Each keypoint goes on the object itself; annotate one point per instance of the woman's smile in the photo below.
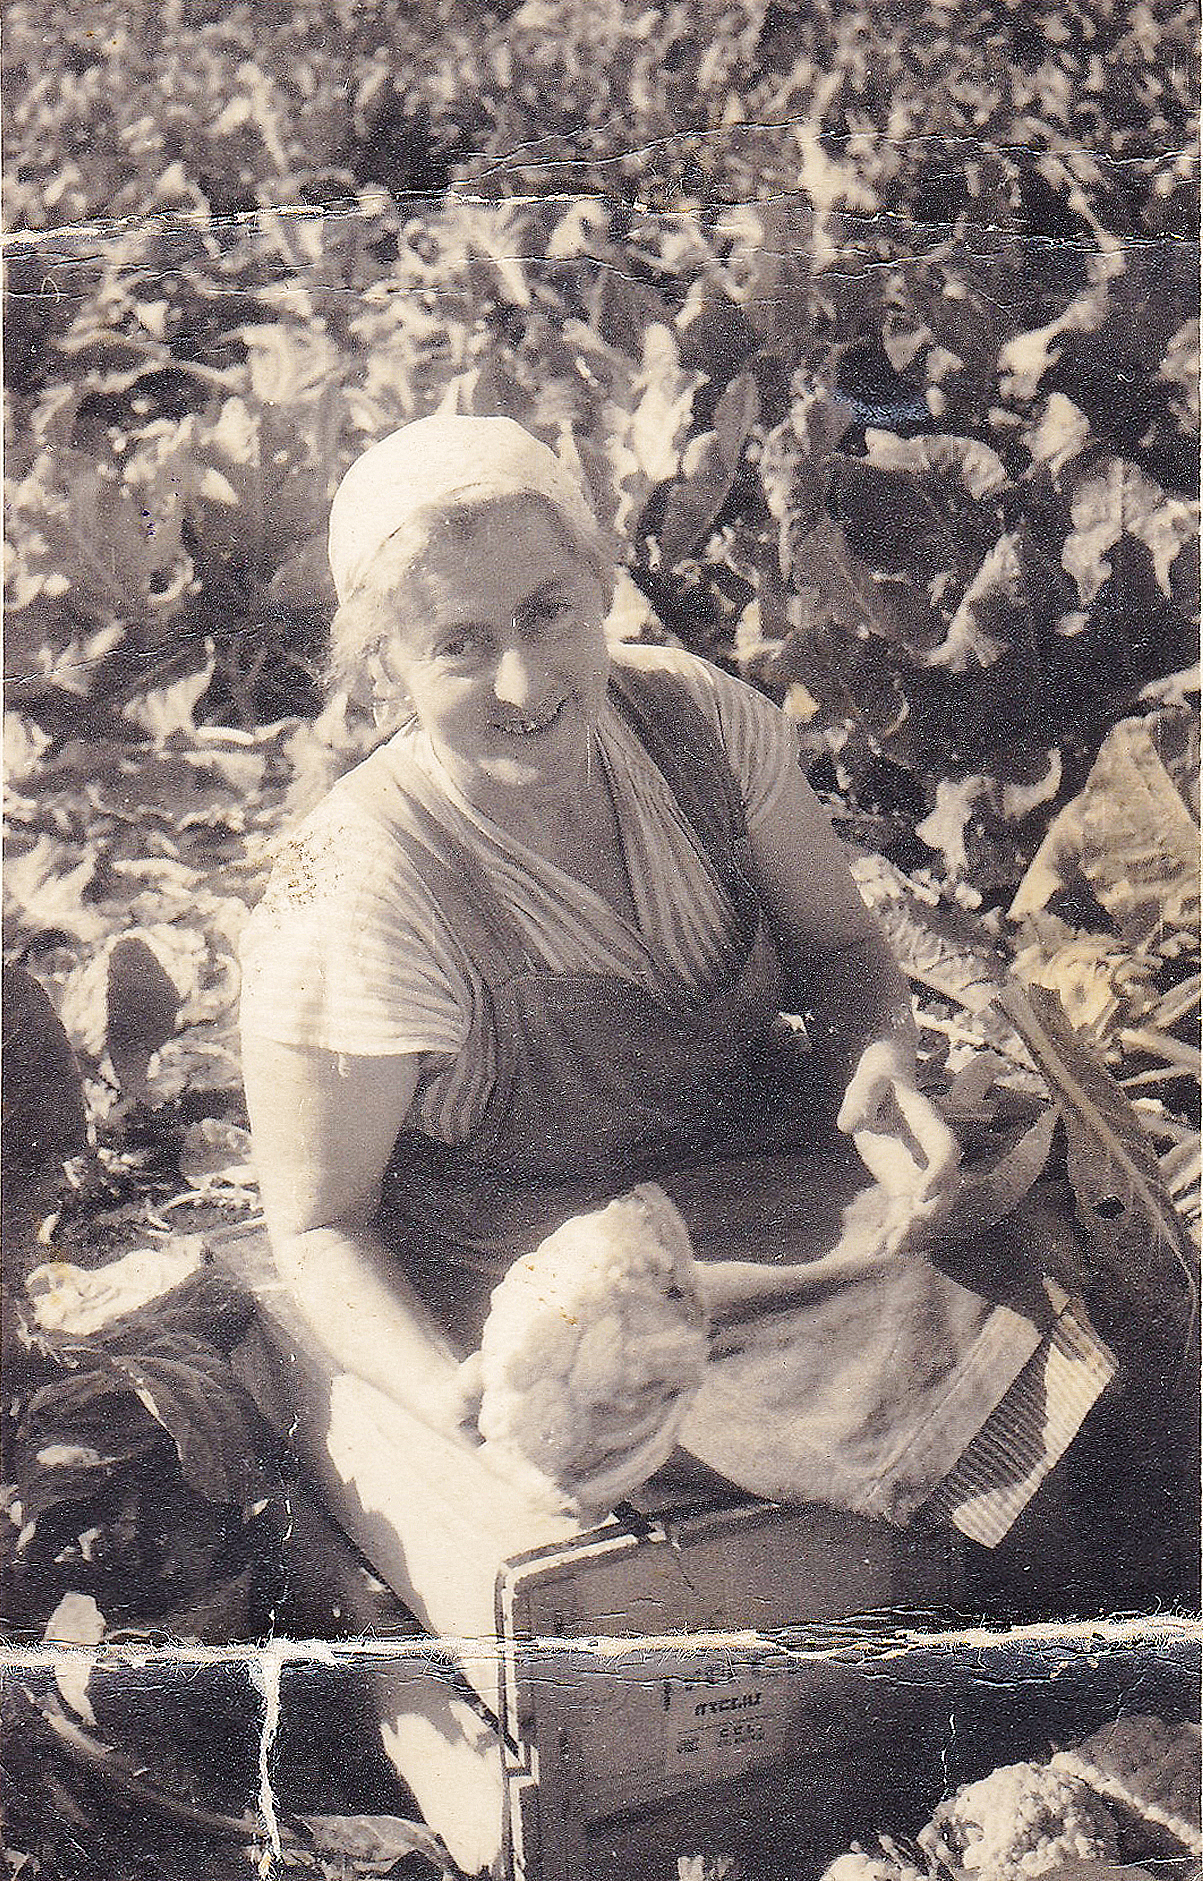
(532, 726)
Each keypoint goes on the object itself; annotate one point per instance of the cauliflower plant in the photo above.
(1022, 1820)
(592, 1350)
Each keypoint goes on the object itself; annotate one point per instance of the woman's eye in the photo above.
(457, 647)
(552, 611)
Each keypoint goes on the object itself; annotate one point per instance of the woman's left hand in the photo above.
(901, 1138)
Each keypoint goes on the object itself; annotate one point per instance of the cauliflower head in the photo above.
(1146, 1767)
(1022, 1820)
(861, 1865)
(592, 1351)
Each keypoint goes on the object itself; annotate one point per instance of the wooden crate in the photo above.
(783, 1752)
(650, 1709)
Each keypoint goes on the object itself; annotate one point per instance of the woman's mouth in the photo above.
(533, 723)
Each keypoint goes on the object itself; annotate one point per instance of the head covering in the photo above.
(432, 462)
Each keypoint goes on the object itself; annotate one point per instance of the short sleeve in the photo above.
(759, 739)
(346, 951)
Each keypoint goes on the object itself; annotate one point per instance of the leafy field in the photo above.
(877, 343)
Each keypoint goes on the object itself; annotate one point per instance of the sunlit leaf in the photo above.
(214, 1147)
(945, 827)
(44, 891)
(1117, 499)
(990, 614)
(24, 743)
(1130, 834)
(971, 462)
(1024, 361)
(288, 361)
(73, 668)
(1061, 434)
(170, 709)
(936, 945)
(80, 1301)
(216, 487)
(665, 399)
(1098, 982)
(377, 1843)
(76, 1621)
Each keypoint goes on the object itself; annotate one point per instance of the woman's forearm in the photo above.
(852, 996)
(369, 1318)
(839, 972)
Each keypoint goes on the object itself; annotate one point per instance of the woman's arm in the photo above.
(324, 1127)
(839, 968)
(843, 978)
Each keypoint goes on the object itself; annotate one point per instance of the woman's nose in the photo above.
(512, 681)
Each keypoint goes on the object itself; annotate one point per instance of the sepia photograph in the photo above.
(601, 941)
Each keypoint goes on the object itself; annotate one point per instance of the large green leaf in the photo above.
(708, 466)
(1129, 832)
(164, 1365)
(988, 1195)
(143, 1004)
(218, 1436)
(43, 1109)
(1145, 1256)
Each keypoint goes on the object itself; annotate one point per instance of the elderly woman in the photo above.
(536, 949)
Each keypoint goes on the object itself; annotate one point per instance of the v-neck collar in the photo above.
(637, 783)
(420, 748)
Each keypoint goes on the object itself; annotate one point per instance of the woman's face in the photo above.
(503, 653)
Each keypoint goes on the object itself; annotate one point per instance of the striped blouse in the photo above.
(349, 951)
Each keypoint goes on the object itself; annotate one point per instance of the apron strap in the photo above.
(685, 749)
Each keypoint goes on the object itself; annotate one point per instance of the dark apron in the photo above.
(864, 1396)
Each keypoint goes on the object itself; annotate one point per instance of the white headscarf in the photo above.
(431, 462)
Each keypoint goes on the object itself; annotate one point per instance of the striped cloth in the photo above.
(349, 950)
(1030, 1430)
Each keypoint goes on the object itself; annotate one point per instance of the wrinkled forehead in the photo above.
(448, 547)
(494, 558)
